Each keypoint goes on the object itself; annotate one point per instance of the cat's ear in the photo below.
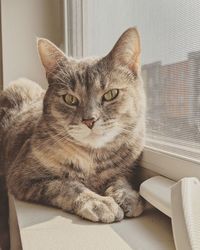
(127, 50)
(50, 55)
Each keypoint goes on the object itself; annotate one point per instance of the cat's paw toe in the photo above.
(115, 208)
(133, 204)
(105, 210)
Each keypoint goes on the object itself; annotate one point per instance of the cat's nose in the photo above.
(89, 122)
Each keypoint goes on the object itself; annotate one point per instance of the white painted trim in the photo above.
(170, 165)
(180, 201)
(157, 191)
(190, 150)
(185, 206)
(75, 27)
(85, 27)
(65, 27)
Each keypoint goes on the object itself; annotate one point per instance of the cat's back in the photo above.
(20, 110)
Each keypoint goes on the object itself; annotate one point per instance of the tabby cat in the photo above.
(74, 146)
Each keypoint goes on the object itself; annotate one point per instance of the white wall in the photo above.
(22, 22)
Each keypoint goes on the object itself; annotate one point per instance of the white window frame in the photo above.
(75, 22)
(170, 165)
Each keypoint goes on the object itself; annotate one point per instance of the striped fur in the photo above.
(51, 157)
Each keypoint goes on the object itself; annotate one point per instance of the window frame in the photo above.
(75, 27)
(170, 165)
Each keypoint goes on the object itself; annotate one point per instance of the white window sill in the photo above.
(46, 228)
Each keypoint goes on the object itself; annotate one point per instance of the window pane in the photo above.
(170, 34)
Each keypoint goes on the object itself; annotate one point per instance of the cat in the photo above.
(75, 145)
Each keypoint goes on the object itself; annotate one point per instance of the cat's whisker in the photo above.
(107, 124)
(125, 130)
(77, 131)
(74, 127)
(62, 139)
(46, 142)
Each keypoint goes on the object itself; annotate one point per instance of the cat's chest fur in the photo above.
(96, 169)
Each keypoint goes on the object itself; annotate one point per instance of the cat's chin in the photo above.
(99, 140)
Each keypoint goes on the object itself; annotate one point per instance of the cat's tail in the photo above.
(15, 98)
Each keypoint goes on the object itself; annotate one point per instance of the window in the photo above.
(170, 36)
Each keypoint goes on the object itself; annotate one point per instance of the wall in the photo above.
(22, 22)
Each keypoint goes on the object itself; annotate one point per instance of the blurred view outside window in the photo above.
(170, 36)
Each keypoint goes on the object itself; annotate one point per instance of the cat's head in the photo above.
(94, 100)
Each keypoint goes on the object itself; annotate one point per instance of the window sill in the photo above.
(41, 227)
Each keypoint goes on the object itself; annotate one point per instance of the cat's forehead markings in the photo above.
(72, 83)
(96, 77)
(85, 77)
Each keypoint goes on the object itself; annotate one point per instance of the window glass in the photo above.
(170, 36)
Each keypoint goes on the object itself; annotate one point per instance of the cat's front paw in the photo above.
(132, 204)
(104, 209)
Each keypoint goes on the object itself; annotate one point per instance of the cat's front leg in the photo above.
(128, 199)
(82, 201)
(69, 195)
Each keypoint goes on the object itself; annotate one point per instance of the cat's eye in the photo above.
(110, 95)
(70, 100)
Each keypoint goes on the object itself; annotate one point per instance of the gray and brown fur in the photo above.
(52, 157)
